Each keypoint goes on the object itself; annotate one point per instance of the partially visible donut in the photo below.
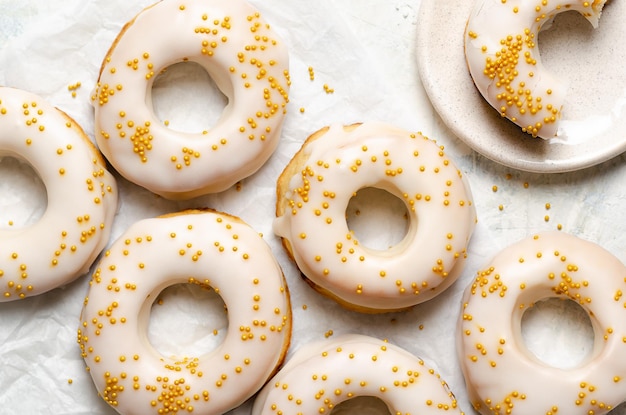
(247, 61)
(215, 251)
(322, 375)
(502, 52)
(81, 197)
(502, 375)
(313, 194)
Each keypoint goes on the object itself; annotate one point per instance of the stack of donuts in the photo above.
(260, 362)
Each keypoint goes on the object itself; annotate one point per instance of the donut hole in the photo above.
(187, 320)
(187, 85)
(558, 332)
(362, 405)
(23, 196)
(378, 219)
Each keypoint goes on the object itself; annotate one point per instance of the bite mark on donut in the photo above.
(502, 54)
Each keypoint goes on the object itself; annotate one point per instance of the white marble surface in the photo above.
(365, 51)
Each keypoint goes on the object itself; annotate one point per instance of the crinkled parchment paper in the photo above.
(364, 51)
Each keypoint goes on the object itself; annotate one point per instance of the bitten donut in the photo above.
(248, 63)
(213, 250)
(501, 374)
(314, 191)
(502, 52)
(81, 197)
(322, 375)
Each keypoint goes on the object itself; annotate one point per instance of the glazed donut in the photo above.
(314, 191)
(244, 57)
(213, 250)
(322, 375)
(502, 53)
(81, 197)
(501, 374)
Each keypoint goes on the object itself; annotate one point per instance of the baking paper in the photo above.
(362, 50)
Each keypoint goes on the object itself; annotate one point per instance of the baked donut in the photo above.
(248, 63)
(216, 251)
(501, 374)
(81, 197)
(502, 53)
(313, 193)
(322, 375)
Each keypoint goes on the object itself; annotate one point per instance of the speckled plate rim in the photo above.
(446, 80)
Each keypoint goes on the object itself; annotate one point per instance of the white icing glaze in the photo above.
(502, 375)
(441, 216)
(81, 194)
(243, 56)
(198, 247)
(322, 375)
(501, 48)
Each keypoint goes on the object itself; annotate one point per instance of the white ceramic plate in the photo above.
(593, 127)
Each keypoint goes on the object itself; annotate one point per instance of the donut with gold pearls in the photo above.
(216, 251)
(501, 374)
(81, 197)
(247, 61)
(313, 194)
(322, 375)
(502, 53)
